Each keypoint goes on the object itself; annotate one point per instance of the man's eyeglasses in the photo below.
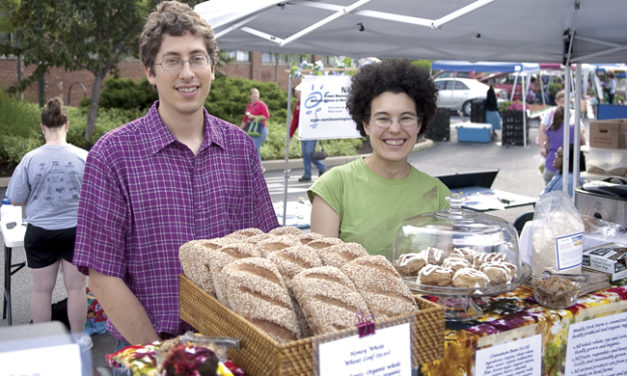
(175, 64)
(406, 121)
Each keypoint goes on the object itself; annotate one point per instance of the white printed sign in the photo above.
(598, 347)
(387, 352)
(323, 113)
(569, 250)
(63, 360)
(522, 357)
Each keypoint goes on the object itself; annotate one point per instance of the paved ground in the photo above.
(518, 173)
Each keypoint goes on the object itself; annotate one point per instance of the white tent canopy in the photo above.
(553, 31)
(586, 31)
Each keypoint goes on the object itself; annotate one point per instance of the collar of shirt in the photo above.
(162, 137)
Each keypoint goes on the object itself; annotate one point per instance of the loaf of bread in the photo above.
(246, 233)
(306, 237)
(275, 243)
(341, 253)
(292, 260)
(328, 299)
(221, 258)
(256, 290)
(381, 286)
(286, 230)
(324, 242)
(194, 257)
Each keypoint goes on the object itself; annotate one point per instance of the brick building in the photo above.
(73, 86)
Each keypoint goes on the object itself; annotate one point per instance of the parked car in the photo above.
(457, 94)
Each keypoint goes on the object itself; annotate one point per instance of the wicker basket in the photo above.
(259, 354)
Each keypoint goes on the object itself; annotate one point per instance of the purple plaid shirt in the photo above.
(144, 194)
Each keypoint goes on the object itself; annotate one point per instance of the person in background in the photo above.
(611, 88)
(492, 114)
(307, 146)
(366, 201)
(556, 183)
(554, 136)
(48, 182)
(174, 175)
(254, 120)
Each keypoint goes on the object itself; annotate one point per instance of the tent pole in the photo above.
(577, 135)
(286, 171)
(523, 92)
(566, 128)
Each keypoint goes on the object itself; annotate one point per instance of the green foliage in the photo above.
(126, 93)
(424, 64)
(229, 95)
(19, 129)
(108, 119)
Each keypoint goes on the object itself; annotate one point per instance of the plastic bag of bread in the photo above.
(557, 242)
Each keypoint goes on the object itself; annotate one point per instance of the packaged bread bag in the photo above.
(557, 239)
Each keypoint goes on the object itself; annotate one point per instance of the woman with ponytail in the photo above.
(48, 182)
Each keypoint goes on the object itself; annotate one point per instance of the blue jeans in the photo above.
(259, 140)
(308, 147)
(494, 118)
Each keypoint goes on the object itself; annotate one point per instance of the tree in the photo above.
(77, 34)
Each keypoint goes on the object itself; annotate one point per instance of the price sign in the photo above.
(386, 352)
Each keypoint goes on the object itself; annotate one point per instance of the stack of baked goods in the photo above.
(461, 267)
(293, 284)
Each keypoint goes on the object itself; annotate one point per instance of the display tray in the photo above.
(474, 292)
(259, 354)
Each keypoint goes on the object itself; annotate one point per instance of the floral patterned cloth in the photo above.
(517, 315)
(142, 361)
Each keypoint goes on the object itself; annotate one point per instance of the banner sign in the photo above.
(323, 113)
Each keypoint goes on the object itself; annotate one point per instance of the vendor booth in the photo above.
(494, 320)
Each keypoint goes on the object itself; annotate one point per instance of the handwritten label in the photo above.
(598, 347)
(385, 353)
(522, 357)
(63, 360)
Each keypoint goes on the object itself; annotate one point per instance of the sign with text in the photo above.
(63, 360)
(597, 347)
(323, 113)
(522, 357)
(387, 352)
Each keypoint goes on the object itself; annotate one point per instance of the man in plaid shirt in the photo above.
(174, 175)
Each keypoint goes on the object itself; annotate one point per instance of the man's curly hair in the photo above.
(396, 76)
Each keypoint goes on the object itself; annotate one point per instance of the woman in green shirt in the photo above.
(366, 201)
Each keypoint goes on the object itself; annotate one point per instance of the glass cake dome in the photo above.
(459, 253)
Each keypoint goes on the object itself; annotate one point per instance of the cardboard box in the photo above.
(608, 258)
(608, 134)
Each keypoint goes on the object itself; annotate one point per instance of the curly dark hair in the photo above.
(396, 76)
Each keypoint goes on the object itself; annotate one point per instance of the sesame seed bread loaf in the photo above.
(292, 260)
(194, 259)
(256, 290)
(381, 286)
(222, 257)
(286, 230)
(306, 237)
(328, 299)
(324, 242)
(341, 253)
(276, 243)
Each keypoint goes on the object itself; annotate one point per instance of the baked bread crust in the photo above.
(341, 253)
(256, 290)
(328, 299)
(381, 286)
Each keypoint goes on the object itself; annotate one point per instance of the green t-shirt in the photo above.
(372, 208)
